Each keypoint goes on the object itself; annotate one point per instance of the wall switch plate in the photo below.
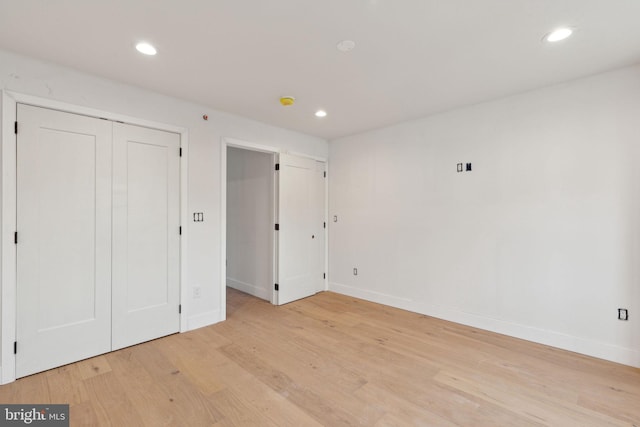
(197, 292)
(335, 218)
(355, 271)
(623, 314)
(459, 167)
(468, 167)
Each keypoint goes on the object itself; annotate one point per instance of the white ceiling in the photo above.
(413, 57)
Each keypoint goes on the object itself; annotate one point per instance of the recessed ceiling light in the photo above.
(559, 34)
(321, 113)
(346, 45)
(146, 48)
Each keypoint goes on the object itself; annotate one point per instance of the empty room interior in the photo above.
(335, 213)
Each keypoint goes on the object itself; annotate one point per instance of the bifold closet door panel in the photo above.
(146, 239)
(64, 238)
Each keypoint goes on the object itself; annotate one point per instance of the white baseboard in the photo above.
(249, 288)
(580, 345)
(203, 319)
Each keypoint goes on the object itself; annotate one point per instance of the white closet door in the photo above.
(146, 254)
(64, 238)
(319, 223)
(300, 235)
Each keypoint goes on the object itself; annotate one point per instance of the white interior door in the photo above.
(319, 223)
(146, 218)
(300, 235)
(64, 238)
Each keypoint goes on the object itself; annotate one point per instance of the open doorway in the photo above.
(274, 218)
(250, 219)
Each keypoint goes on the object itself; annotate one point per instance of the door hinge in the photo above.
(180, 151)
(277, 227)
(15, 347)
(15, 127)
(324, 224)
(277, 166)
(180, 230)
(325, 174)
(15, 237)
(324, 275)
(276, 287)
(179, 308)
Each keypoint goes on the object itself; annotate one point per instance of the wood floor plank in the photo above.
(271, 405)
(142, 391)
(321, 409)
(91, 367)
(83, 414)
(202, 368)
(31, 389)
(335, 360)
(399, 411)
(237, 411)
(110, 403)
(175, 393)
(66, 385)
(530, 404)
(450, 403)
(217, 373)
(620, 404)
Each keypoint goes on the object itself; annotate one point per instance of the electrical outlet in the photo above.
(459, 167)
(197, 292)
(355, 271)
(623, 314)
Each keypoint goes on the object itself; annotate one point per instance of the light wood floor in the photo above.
(333, 360)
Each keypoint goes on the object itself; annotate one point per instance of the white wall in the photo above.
(250, 221)
(33, 77)
(540, 241)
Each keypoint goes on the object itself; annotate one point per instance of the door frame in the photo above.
(274, 151)
(8, 283)
(244, 145)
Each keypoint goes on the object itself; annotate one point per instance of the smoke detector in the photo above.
(287, 100)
